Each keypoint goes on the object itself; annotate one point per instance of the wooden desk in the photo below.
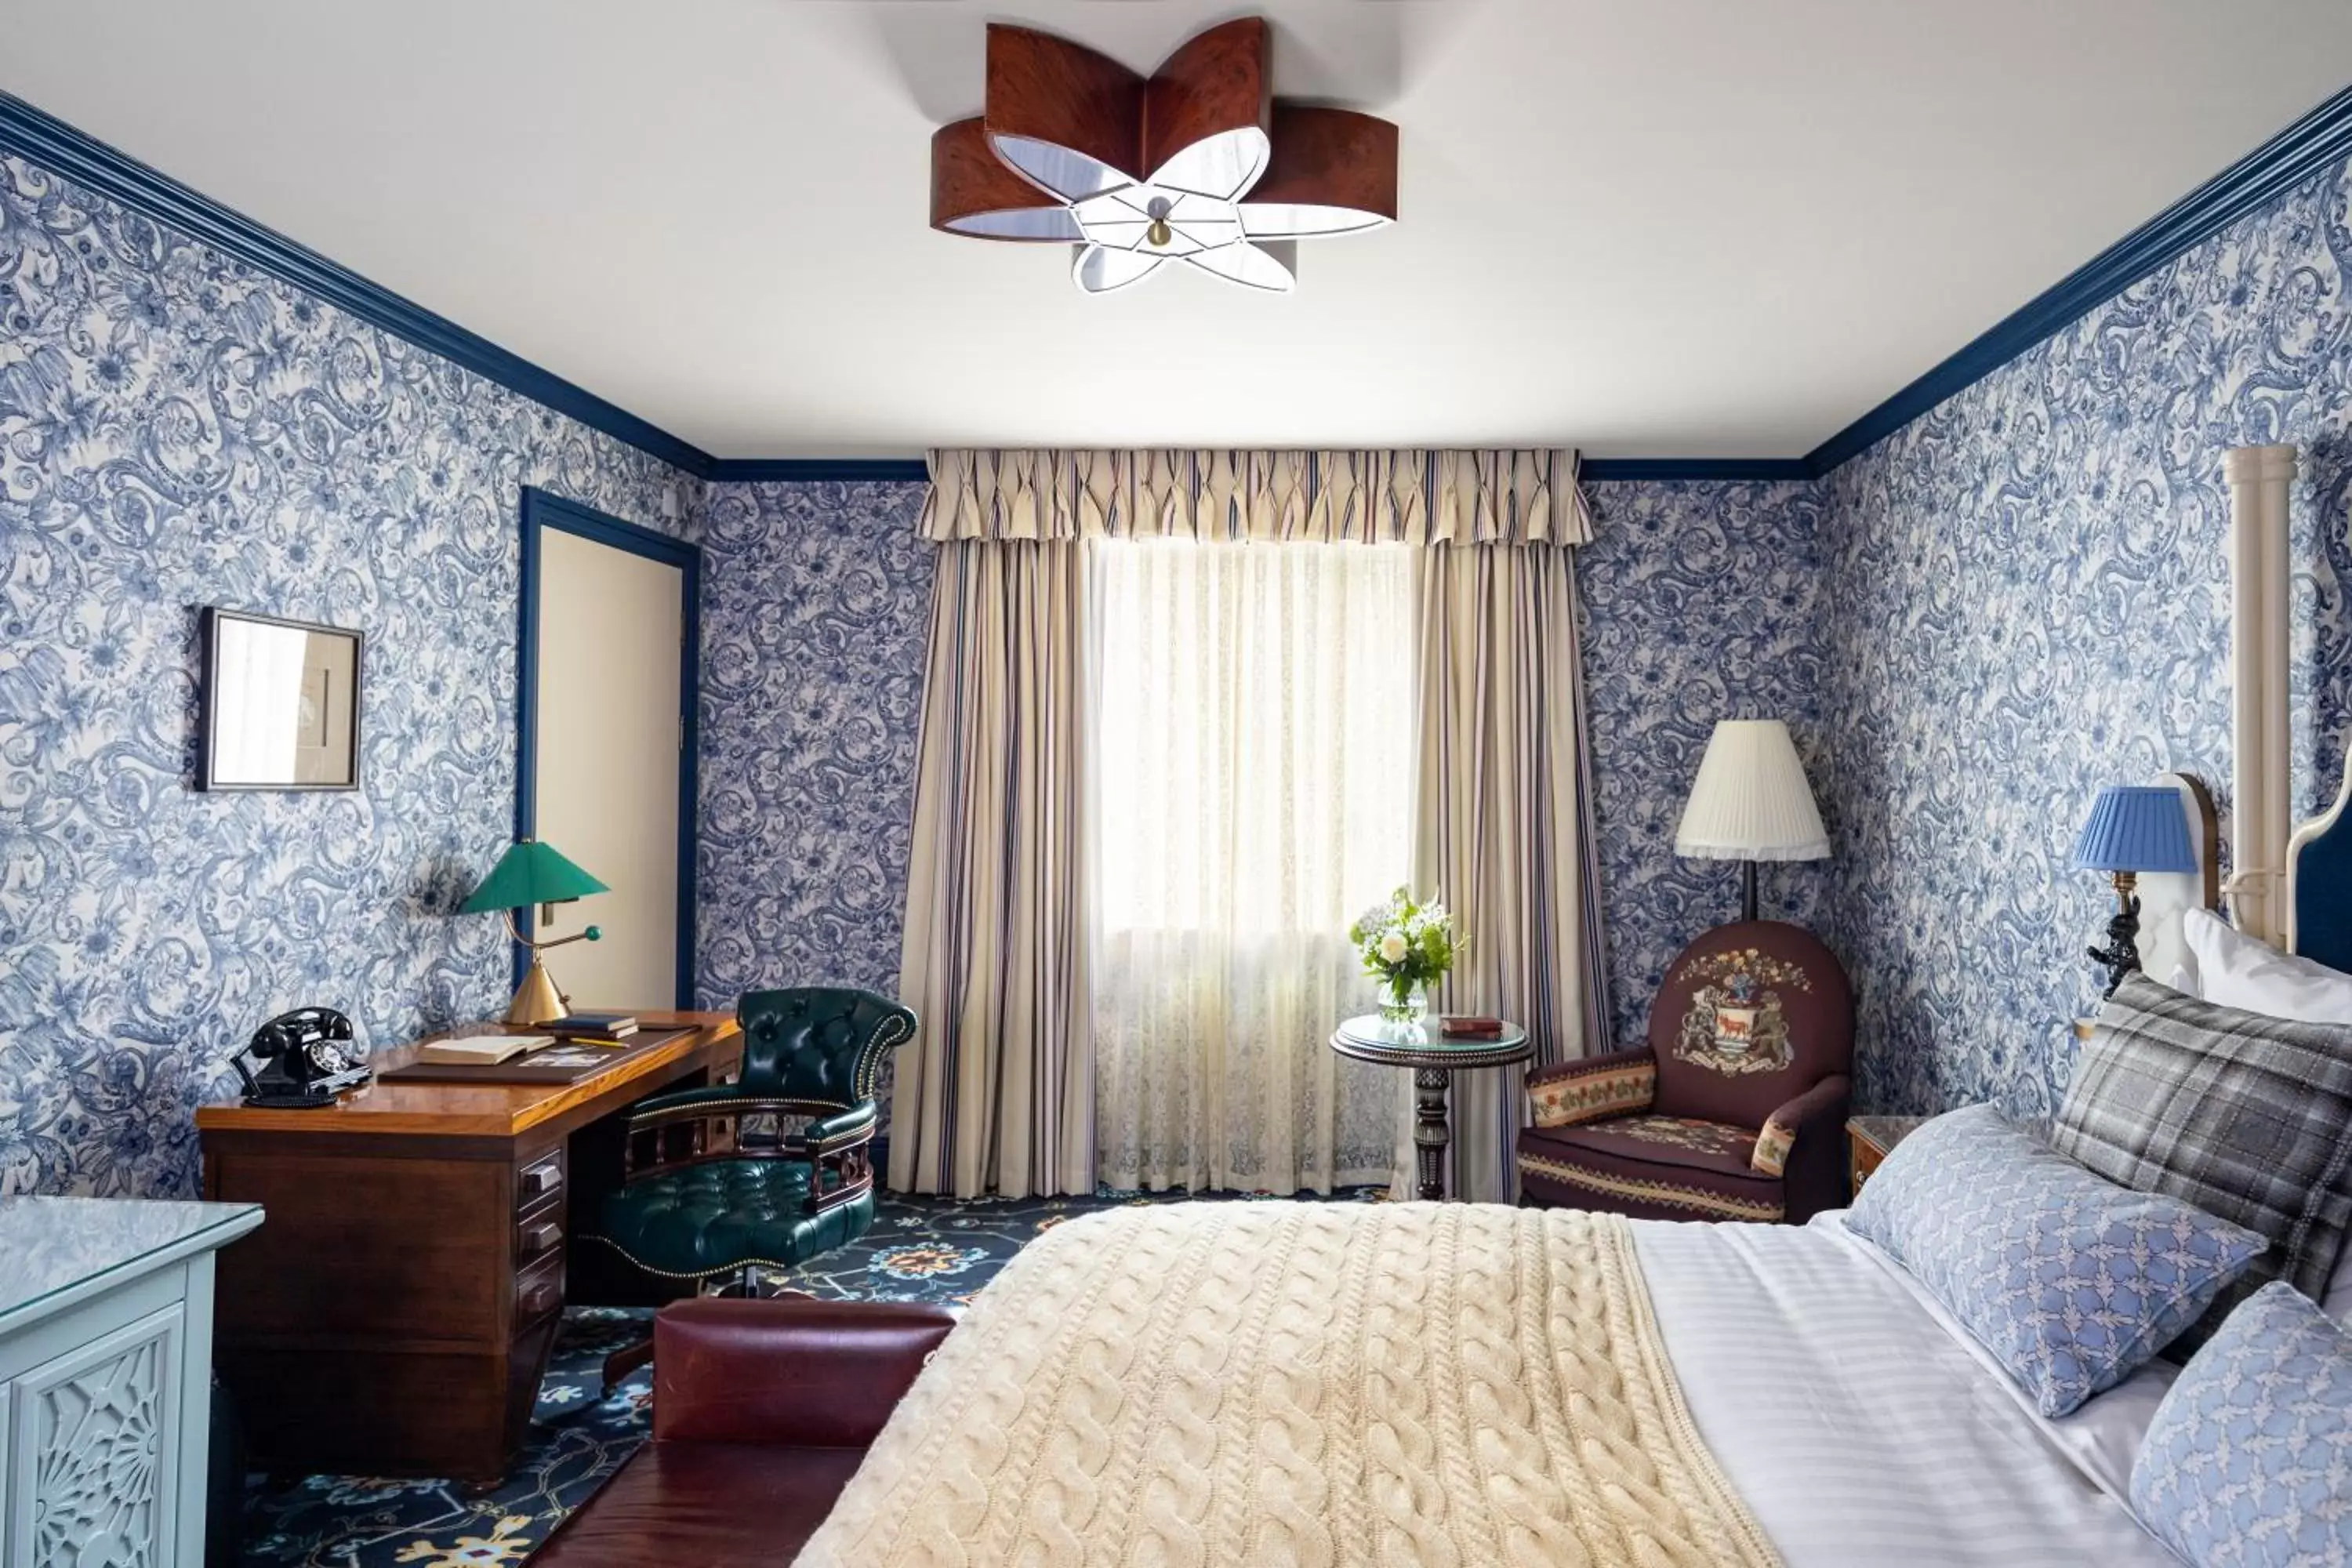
(394, 1316)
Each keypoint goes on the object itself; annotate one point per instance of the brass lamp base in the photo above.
(536, 1000)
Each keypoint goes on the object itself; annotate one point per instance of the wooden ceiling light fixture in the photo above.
(1229, 169)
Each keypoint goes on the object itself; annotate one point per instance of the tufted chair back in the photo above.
(817, 1042)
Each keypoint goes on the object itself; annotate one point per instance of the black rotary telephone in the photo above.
(307, 1059)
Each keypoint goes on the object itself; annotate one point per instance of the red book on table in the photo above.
(1455, 1026)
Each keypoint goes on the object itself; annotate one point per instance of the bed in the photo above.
(1849, 1420)
(1409, 1384)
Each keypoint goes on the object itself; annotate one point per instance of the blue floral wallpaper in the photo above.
(2028, 596)
(817, 605)
(176, 430)
(2017, 598)
(1701, 601)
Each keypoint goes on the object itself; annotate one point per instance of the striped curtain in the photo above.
(1503, 826)
(997, 1091)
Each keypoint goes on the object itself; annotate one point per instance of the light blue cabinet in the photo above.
(106, 1326)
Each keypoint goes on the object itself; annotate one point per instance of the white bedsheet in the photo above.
(1784, 1337)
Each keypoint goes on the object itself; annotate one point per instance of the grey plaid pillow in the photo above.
(2245, 1116)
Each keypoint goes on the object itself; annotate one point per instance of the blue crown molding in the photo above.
(1619, 471)
(2302, 150)
(807, 471)
(58, 147)
(1604, 470)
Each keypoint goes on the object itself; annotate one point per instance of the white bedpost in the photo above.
(2260, 810)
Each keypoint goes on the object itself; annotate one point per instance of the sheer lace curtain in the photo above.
(1256, 762)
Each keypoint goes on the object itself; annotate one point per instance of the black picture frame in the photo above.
(213, 702)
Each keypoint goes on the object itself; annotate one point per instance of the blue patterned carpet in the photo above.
(926, 1249)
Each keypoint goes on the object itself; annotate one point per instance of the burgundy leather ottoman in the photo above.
(762, 1413)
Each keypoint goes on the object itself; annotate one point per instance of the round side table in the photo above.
(1433, 1060)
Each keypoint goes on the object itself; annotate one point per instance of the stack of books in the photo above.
(593, 1028)
(1457, 1026)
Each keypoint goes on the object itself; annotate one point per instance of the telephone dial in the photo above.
(307, 1059)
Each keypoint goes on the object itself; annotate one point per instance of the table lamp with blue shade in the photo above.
(2132, 828)
(531, 873)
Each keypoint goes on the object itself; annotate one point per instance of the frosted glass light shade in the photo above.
(1750, 801)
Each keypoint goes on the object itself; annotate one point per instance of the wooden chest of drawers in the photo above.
(1870, 1139)
(395, 1315)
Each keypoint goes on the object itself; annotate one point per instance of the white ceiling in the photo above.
(1705, 227)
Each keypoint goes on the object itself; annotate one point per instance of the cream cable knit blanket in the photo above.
(1362, 1386)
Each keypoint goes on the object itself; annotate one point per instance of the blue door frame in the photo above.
(541, 511)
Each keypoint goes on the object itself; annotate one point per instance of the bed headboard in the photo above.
(2319, 883)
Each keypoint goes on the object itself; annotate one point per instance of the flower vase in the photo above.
(1405, 1004)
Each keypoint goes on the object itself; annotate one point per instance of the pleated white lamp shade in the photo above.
(1750, 801)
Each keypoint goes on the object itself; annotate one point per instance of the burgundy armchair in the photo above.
(1736, 1108)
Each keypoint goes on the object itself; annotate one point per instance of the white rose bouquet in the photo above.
(1406, 945)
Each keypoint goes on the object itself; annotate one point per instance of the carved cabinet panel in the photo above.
(106, 1332)
(94, 1437)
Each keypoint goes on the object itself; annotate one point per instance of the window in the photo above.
(1254, 771)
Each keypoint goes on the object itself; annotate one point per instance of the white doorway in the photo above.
(607, 710)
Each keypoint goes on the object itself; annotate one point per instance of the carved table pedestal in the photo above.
(1433, 1060)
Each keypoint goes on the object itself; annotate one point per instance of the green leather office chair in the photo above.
(719, 1181)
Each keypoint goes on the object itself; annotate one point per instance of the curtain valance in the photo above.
(1409, 496)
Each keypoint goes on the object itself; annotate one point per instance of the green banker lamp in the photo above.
(531, 873)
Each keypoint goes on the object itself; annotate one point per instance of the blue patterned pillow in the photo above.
(2248, 1463)
(2070, 1280)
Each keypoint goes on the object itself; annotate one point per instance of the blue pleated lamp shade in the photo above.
(2135, 827)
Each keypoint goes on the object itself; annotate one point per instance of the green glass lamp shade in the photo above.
(530, 873)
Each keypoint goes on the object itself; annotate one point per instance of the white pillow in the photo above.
(2236, 971)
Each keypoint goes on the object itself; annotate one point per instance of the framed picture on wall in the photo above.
(277, 704)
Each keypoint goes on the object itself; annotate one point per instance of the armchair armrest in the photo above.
(1614, 1083)
(841, 1129)
(675, 1129)
(709, 1100)
(794, 1373)
(691, 1106)
(1824, 1102)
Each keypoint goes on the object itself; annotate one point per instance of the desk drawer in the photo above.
(539, 1289)
(539, 1180)
(538, 1233)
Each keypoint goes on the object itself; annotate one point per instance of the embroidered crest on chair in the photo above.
(1734, 1025)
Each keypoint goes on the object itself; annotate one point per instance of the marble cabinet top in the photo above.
(50, 1245)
